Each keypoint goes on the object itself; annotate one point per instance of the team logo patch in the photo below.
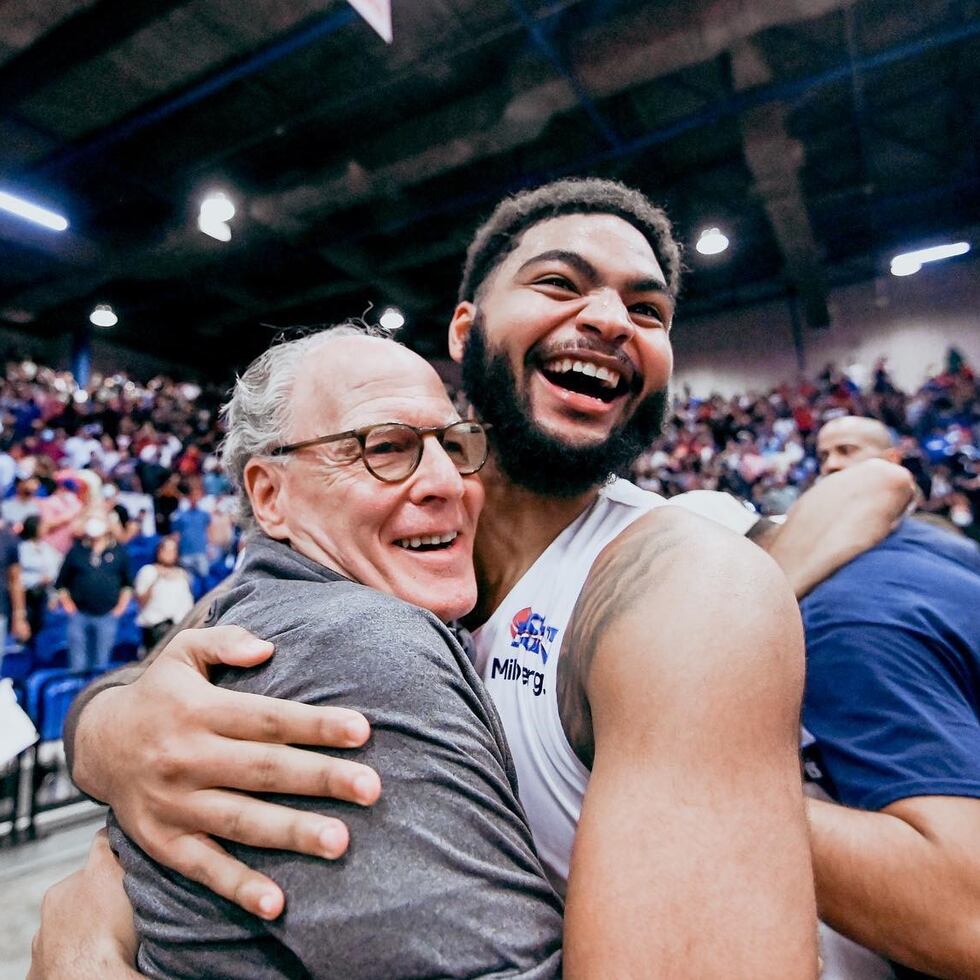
(531, 631)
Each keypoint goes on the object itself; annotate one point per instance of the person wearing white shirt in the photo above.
(163, 592)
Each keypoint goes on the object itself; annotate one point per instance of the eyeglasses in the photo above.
(392, 451)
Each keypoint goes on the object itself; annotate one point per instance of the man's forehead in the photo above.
(605, 236)
(350, 381)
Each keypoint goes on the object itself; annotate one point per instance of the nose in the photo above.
(832, 464)
(605, 316)
(436, 477)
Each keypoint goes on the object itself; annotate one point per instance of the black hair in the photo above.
(501, 233)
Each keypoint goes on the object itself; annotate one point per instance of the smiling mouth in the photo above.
(585, 378)
(428, 542)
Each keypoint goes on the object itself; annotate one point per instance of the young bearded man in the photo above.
(647, 664)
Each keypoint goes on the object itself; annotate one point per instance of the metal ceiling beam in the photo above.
(179, 249)
(628, 51)
(544, 45)
(732, 107)
(776, 161)
(239, 69)
(79, 38)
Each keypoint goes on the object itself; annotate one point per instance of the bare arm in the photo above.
(691, 856)
(18, 607)
(86, 930)
(840, 517)
(904, 881)
(167, 749)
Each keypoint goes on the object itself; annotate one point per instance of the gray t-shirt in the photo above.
(441, 878)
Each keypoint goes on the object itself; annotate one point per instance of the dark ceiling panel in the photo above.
(360, 169)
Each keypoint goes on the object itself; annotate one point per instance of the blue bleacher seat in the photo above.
(17, 665)
(36, 685)
(141, 551)
(56, 700)
(51, 646)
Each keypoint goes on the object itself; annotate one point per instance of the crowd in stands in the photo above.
(761, 447)
(113, 505)
(116, 489)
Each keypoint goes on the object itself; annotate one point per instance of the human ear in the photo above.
(459, 329)
(264, 486)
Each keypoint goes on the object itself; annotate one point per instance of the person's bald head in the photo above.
(845, 441)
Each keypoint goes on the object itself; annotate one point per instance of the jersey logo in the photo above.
(531, 631)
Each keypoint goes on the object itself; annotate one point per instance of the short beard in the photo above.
(529, 456)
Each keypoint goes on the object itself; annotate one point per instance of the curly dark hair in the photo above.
(501, 233)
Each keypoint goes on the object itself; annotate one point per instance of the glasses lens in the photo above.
(391, 451)
(466, 445)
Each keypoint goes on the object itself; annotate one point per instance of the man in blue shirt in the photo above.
(192, 524)
(892, 706)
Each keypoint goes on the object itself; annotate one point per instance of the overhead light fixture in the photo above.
(909, 263)
(32, 212)
(216, 211)
(392, 319)
(711, 242)
(103, 316)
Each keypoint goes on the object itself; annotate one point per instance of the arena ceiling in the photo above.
(822, 135)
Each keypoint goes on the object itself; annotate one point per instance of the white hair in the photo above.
(259, 414)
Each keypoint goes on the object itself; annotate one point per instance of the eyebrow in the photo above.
(585, 268)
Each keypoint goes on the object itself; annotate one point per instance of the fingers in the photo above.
(255, 718)
(257, 768)
(232, 645)
(241, 818)
(201, 859)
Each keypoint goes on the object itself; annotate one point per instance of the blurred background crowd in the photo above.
(117, 515)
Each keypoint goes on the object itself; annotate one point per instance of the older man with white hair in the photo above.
(358, 479)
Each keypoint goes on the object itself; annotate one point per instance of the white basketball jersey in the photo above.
(516, 653)
(517, 656)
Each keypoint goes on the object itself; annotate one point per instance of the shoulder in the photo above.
(340, 636)
(669, 544)
(674, 603)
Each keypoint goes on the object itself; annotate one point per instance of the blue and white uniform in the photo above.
(517, 655)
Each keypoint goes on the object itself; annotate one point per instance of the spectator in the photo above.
(39, 564)
(59, 513)
(94, 588)
(163, 592)
(13, 611)
(23, 504)
(8, 471)
(192, 522)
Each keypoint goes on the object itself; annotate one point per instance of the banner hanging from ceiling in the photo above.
(377, 13)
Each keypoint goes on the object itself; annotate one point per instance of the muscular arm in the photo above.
(840, 517)
(904, 881)
(682, 686)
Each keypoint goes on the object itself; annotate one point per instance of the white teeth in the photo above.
(428, 539)
(610, 378)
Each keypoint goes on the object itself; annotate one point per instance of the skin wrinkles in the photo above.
(617, 582)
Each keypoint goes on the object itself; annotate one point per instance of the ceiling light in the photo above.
(216, 211)
(711, 242)
(392, 319)
(216, 229)
(103, 316)
(217, 207)
(32, 212)
(909, 263)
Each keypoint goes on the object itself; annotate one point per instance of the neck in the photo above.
(515, 527)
